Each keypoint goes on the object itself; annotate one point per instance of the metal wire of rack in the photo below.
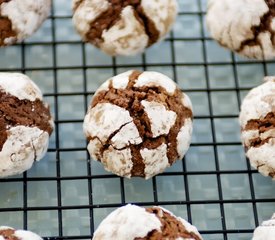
(65, 196)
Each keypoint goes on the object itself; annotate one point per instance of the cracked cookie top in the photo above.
(123, 27)
(245, 27)
(257, 119)
(8, 233)
(136, 223)
(138, 124)
(21, 18)
(25, 124)
(266, 230)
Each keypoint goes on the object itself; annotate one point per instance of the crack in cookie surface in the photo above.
(111, 16)
(8, 234)
(15, 112)
(171, 227)
(261, 125)
(6, 30)
(131, 99)
(264, 26)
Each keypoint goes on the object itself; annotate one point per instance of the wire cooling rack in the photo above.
(65, 196)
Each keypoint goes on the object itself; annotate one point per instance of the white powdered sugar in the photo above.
(186, 101)
(121, 81)
(258, 103)
(160, 118)
(155, 160)
(184, 137)
(262, 158)
(133, 26)
(104, 119)
(163, 13)
(124, 126)
(231, 24)
(118, 161)
(132, 222)
(100, 123)
(23, 146)
(137, 223)
(85, 12)
(127, 135)
(266, 231)
(21, 234)
(126, 37)
(20, 86)
(25, 15)
(150, 79)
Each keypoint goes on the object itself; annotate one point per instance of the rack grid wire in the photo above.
(66, 195)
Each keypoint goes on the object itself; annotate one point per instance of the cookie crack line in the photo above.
(112, 15)
(15, 112)
(171, 227)
(263, 125)
(264, 26)
(6, 30)
(258, 142)
(136, 110)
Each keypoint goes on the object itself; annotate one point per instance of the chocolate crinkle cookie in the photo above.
(136, 223)
(123, 27)
(266, 231)
(25, 124)
(138, 124)
(257, 119)
(8, 233)
(19, 19)
(246, 27)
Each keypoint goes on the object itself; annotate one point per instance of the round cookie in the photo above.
(258, 127)
(136, 223)
(123, 27)
(8, 233)
(25, 124)
(19, 19)
(138, 124)
(266, 231)
(245, 27)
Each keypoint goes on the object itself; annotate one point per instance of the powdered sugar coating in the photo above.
(161, 119)
(266, 231)
(231, 24)
(150, 78)
(262, 158)
(23, 146)
(26, 16)
(258, 103)
(127, 135)
(163, 13)
(155, 160)
(128, 34)
(20, 86)
(136, 223)
(184, 137)
(131, 222)
(85, 12)
(118, 161)
(121, 81)
(21, 234)
(104, 119)
(115, 122)
(126, 37)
